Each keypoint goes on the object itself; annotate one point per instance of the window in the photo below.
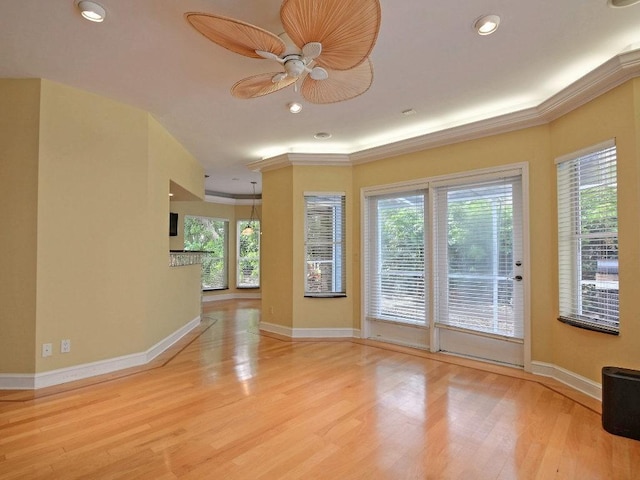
(209, 235)
(248, 267)
(588, 239)
(396, 271)
(478, 253)
(324, 245)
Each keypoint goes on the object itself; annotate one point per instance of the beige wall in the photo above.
(91, 226)
(320, 312)
(99, 260)
(173, 293)
(277, 247)
(530, 146)
(19, 127)
(613, 115)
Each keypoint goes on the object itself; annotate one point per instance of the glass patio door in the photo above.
(478, 280)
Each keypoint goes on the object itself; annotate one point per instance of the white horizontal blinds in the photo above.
(395, 256)
(325, 268)
(476, 254)
(588, 240)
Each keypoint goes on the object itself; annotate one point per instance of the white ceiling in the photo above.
(427, 57)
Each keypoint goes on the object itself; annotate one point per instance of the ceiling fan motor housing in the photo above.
(294, 65)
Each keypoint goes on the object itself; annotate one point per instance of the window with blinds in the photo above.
(395, 254)
(477, 257)
(325, 268)
(588, 239)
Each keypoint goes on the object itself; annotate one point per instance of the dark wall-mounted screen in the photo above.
(173, 224)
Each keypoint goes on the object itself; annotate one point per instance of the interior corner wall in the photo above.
(277, 247)
(614, 115)
(19, 130)
(173, 293)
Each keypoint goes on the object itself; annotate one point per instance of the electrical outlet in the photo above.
(65, 346)
(47, 349)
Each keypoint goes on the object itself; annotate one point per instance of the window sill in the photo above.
(325, 295)
(574, 322)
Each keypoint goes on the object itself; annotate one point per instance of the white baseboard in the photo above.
(9, 381)
(231, 296)
(310, 332)
(573, 380)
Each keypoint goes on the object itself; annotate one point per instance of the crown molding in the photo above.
(332, 159)
(470, 131)
(271, 163)
(604, 78)
(307, 159)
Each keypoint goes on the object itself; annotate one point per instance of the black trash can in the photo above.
(621, 401)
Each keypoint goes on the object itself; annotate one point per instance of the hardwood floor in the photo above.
(229, 403)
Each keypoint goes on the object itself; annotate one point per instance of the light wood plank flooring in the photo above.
(229, 403)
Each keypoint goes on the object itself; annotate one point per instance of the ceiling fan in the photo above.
(330, 56)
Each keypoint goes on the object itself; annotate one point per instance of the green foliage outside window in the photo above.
(249, 255)
(210, 236)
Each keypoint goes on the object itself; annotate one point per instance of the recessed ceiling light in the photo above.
(622, 3)
(92, 11)
(322, 135)
(295, 107)
(487, 24)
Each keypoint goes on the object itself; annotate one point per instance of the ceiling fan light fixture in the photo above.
(295, 107)
(621, 3)
(487, 24)
(92, 11)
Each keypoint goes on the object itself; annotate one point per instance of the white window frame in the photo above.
(241, 224)
(337, 243)
(414, 313)
(570, 238)
(429, 335)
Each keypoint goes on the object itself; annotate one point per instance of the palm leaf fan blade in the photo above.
(341, 84)
(347, 30)
(259, 85)
(235, 35)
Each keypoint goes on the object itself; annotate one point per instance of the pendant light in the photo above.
(248, 230)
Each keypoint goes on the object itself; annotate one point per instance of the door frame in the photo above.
(520, 168)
